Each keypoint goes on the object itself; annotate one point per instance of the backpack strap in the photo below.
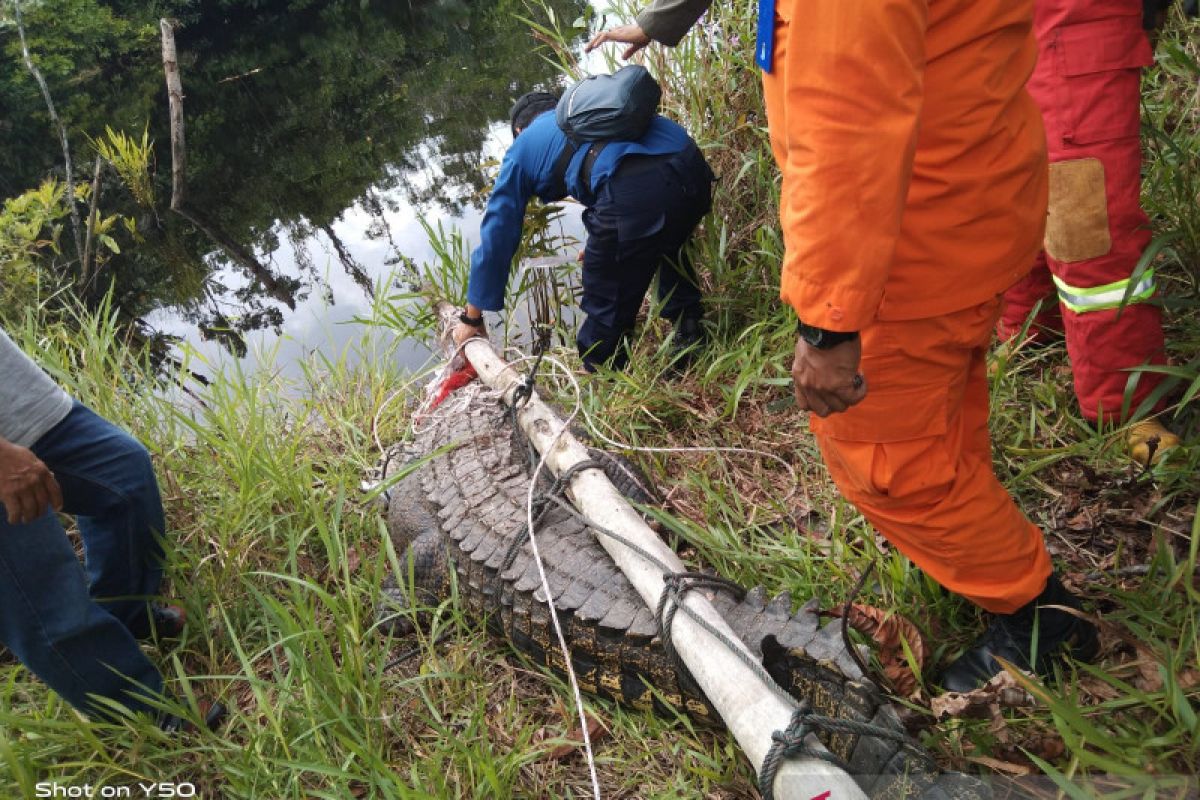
(559, 171)
(585, 172)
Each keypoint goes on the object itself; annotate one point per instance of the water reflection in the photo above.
(317, 138)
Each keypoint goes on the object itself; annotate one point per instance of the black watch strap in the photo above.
(823, 339)
(474, 322)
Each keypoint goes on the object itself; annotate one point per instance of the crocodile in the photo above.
(463, 511)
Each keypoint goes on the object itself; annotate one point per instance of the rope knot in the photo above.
(789, 742)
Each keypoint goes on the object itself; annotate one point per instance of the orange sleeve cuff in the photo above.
(834, 307)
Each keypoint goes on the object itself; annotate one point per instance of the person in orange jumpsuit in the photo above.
(1087, 85)
(914, 194)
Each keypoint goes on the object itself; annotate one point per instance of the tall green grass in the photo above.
(278, 556)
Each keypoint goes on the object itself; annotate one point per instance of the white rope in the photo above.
(594, 430)
(796, 483)
(537, 559)
(467, 397)
(379, 411)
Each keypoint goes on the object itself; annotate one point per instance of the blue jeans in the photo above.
(74, 625)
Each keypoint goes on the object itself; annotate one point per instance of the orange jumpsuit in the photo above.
(914, 193)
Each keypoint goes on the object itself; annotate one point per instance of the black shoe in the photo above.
(166, 622)
(687, 340)
(214, 715)
(1011, 637)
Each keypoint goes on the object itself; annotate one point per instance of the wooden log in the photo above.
(750, 708)
(175, 108)
(239, 254)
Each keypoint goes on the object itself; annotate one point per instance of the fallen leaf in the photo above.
(1096, 690)
(1002, 691)
(596, 732)
(891, 632)
(1082, 521)
(1001, 766)
(1188, 678)
(1149, 676)
(353, 560)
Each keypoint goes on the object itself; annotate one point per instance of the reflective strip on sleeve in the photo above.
(1110, 295)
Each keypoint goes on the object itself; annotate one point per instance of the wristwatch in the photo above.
(474, 322)
(821, 338)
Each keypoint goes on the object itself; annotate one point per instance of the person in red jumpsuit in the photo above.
(1087, 85)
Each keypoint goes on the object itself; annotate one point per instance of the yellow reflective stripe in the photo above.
(1110, 295)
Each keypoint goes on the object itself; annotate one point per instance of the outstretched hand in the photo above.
(462, 332)
(28, 488)
(632, 35)
(828, 381)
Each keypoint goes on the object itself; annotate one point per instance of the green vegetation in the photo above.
(278, 555)
(295, 113)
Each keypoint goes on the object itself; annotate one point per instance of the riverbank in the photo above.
(278, 554)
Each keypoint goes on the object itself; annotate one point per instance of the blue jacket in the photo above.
(528, 169)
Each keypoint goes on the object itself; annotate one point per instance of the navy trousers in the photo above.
(637, 227)
(74, 625)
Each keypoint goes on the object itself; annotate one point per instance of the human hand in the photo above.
(27, 486)
(462, 332)
(632, 35)
(828, 381)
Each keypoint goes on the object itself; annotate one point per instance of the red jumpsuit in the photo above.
(1087, 84)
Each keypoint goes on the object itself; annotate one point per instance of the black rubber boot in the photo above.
(214, 715)
(1012, 637)
(687, 340)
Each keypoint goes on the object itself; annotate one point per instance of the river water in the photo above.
(320, 139)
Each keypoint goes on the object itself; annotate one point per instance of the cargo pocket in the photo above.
(895, 450)
(1077, 220)
(639, 224)
(1094, 59)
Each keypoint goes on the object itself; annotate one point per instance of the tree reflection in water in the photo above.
(296, 112)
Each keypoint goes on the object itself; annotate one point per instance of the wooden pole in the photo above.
(175, 103)
(751, 709)
(240, 255)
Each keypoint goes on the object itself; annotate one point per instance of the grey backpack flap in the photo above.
(616, 107)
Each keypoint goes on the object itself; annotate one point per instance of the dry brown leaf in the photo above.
(1082, 521)
(1149, 676)
(1001, 766)
(1002, 691)
(890, 631)
(1188, 678)
(596, 732)
(1049, 746)
(353, 560)
(1096, 690)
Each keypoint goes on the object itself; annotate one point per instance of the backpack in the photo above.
(609, 107)
(603, 108)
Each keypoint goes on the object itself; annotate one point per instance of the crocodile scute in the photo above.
(464, 510)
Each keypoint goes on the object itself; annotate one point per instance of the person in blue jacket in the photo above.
(643, 200)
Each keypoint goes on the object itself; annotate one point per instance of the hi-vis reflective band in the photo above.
(764, 46)
(1110, 295)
